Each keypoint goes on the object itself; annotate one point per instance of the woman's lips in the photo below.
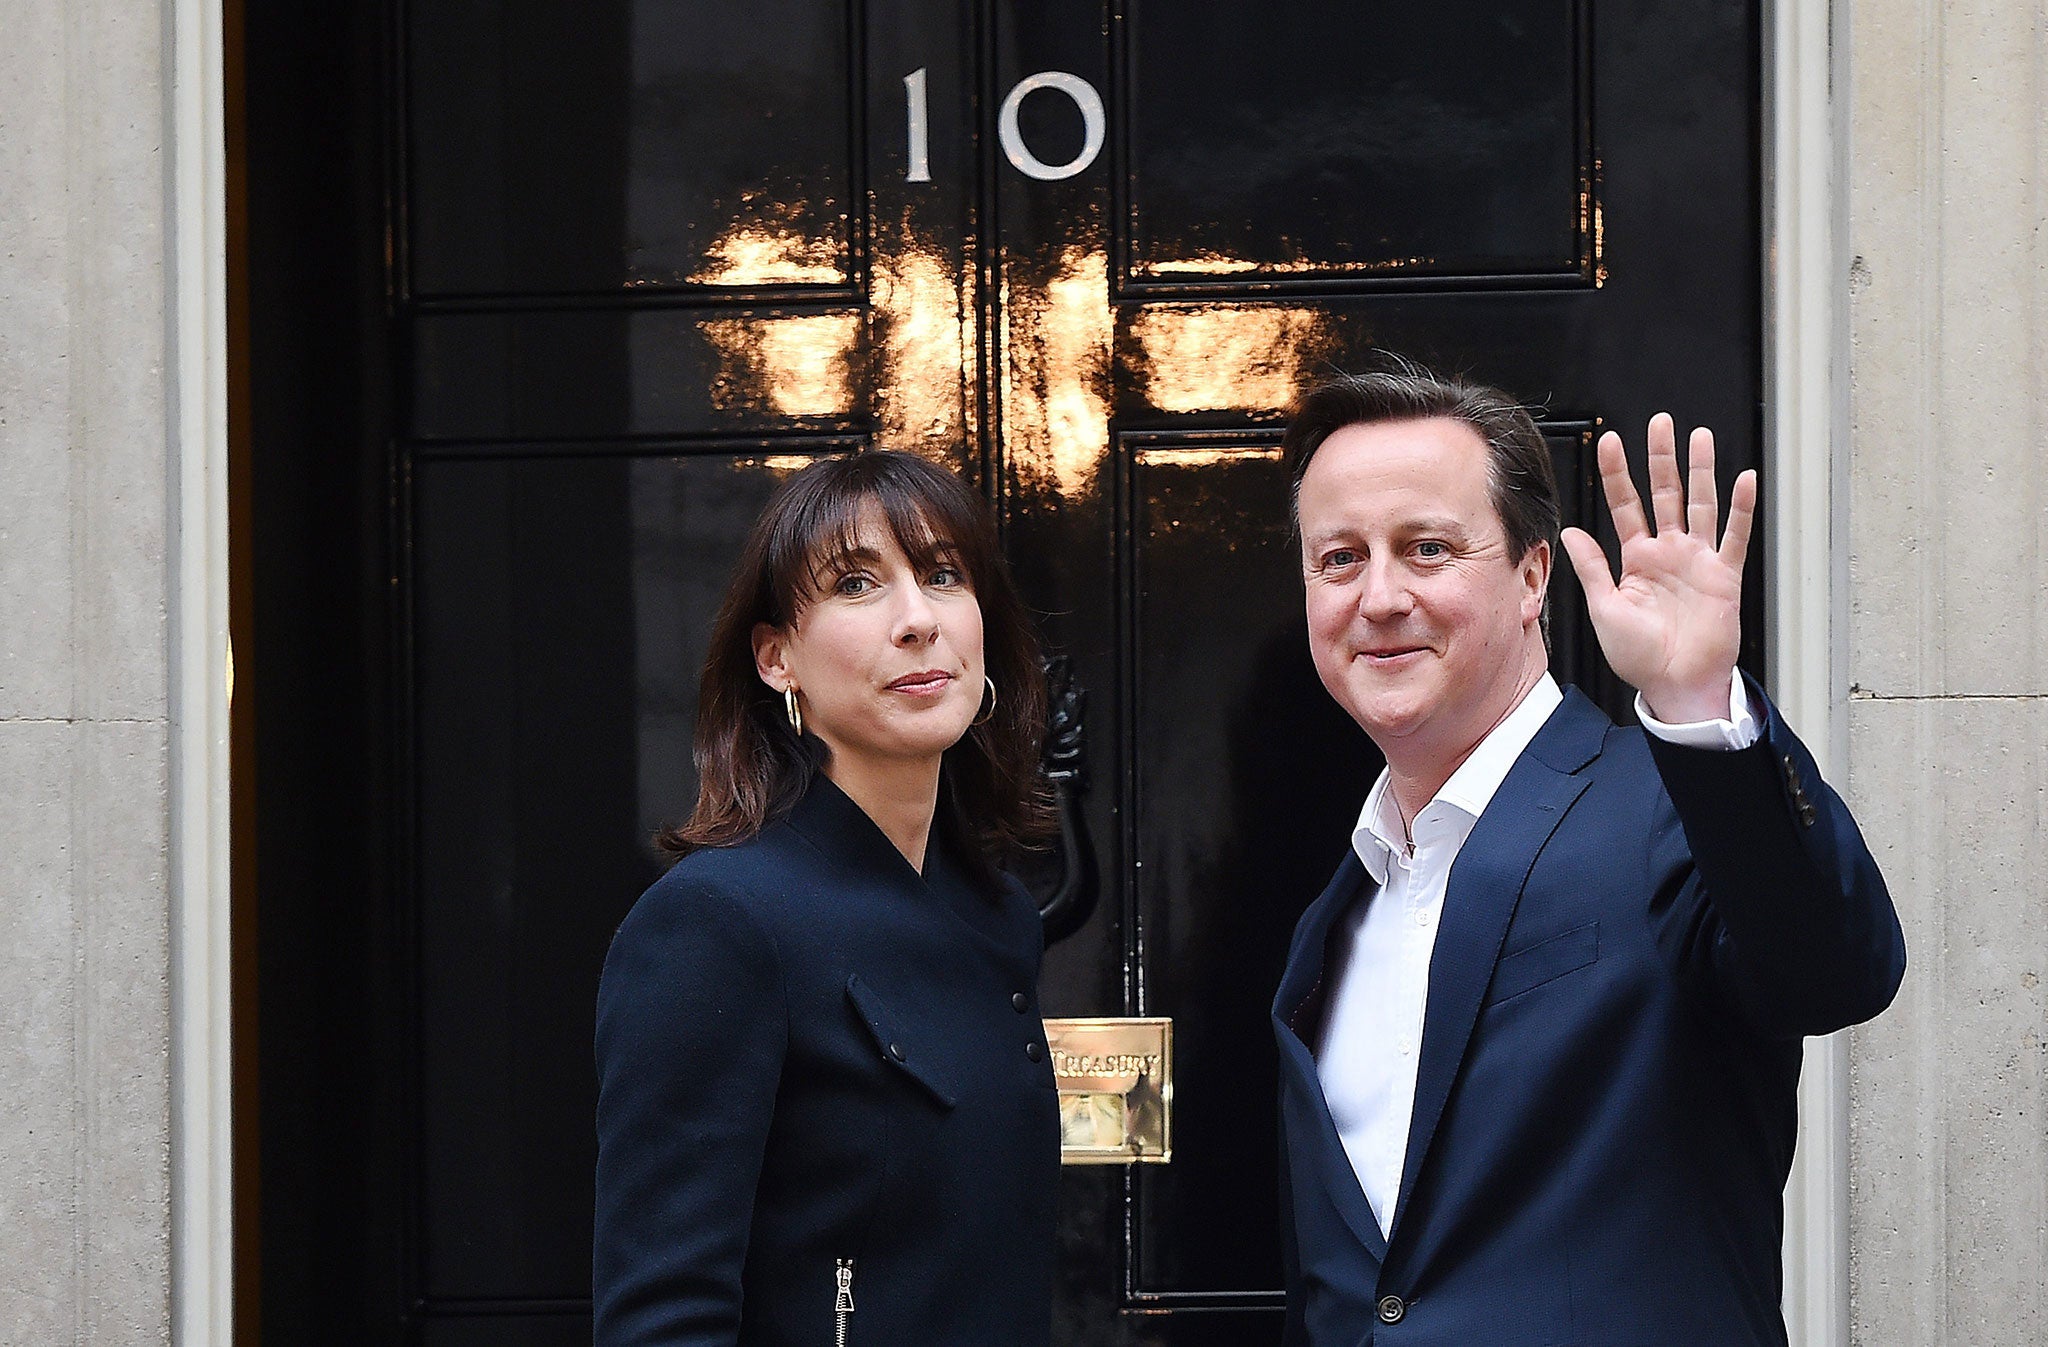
(927, 683)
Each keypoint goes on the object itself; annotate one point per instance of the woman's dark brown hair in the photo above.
(752, 768)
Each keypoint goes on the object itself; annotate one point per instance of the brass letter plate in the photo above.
(1116, 1090)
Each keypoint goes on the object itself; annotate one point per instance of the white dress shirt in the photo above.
(1368, 1051)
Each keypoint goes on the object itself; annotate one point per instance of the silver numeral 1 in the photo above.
(920, 152)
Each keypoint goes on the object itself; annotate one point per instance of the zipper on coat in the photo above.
(842, 1302)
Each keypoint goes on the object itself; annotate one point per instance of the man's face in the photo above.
(1421, 624)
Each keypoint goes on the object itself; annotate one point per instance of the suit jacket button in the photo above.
(1020, 1001)
(1391, 1309)
(1033, 1051)
(896, 1051)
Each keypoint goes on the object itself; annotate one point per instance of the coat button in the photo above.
(1808, 815)
(1033, 1051)
(1020, 1001)
(896, 1051)
(1391, 1309)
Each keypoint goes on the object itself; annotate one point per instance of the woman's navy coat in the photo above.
(806, 1053)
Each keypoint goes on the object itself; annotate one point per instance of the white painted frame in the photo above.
(202, 1069)
(1805, 498)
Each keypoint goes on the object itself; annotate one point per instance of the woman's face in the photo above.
(886, 658)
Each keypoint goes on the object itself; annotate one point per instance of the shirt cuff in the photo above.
(1738, 731)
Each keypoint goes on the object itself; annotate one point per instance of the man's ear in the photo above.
(1535, 574)
(771, 656)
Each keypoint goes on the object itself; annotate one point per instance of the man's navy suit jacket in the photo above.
(1635, 938)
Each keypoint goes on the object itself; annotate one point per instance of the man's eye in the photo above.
(1432, 551)
(1339, 558)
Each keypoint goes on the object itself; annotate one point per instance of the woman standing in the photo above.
(826, 1113)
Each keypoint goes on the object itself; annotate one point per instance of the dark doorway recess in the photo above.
(543, 299)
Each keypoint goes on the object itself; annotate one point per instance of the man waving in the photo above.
(1540, 1037)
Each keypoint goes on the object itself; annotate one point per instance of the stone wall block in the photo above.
(1949, 335)
(35, 398)
(120, 865)
(38, 1020)
(1993, 467)
(1895, 562)
(121, 409)
(1949, 1202)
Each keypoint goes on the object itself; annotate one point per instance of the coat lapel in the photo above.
(1294, 1017)
(1485, 885)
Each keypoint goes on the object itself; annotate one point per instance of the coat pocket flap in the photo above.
(897, 1042)
(1527, 969)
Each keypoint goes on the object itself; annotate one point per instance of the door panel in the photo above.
(600, 375)
(1302, 145)
(648, 256)
(560, 609)
(529, 1327)
(604, 149)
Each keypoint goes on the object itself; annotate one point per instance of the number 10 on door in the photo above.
(917, 103)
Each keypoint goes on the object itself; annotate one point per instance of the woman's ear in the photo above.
(770, 660)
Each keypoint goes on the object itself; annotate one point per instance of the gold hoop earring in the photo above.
(792, 710)
(984, 717)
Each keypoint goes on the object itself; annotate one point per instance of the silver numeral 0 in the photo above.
(1092, 124)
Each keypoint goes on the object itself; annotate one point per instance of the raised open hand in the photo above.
(1672, 624)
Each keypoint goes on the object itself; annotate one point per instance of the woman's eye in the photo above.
(852, 586)
(945, 577)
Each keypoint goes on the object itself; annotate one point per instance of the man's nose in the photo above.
(1383, 592)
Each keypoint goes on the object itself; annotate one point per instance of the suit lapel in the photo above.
(1300, 985)
(1485, 885)
(1308, 960)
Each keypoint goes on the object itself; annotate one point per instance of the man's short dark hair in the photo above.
(1524, 487)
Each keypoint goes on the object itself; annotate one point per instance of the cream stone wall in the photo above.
(1948, 655)
(85, 1082)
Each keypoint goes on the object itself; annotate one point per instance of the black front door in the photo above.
(646, 257)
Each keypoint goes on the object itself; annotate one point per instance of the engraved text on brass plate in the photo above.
(1116, 1089)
